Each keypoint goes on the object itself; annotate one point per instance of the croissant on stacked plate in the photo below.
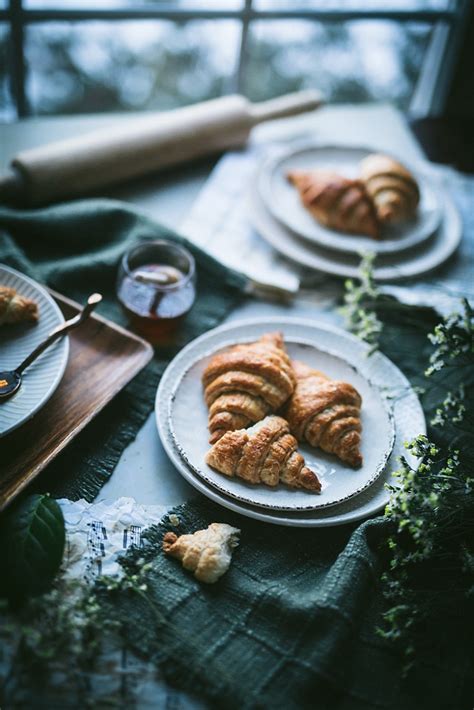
(15, 308)
(336, 202)
(250, 382)
(392, 188)
(245, 383)
(326, 414)
(385, 193)
(264, 453)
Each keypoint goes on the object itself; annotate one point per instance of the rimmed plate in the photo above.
(408, 416)
(388, 267)
(339, 482)
(282, 201)
(16, 341)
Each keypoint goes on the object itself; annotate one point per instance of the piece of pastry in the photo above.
(392, 187)
(326, 413)
(207, 552)
(245, 383)
(15, 308)
(336, 202)
(264, 453)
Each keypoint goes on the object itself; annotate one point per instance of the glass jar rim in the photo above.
(178, 248)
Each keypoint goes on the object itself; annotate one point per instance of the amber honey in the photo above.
(156, 295)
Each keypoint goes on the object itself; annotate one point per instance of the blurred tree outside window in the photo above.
(83, 65)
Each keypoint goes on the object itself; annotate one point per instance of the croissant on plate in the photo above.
(15, 308)
(392, 187)
(326, 413)
(336, 202)
(264, 453)
(245, 383)
(207, 552)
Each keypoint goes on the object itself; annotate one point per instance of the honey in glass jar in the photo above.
(156, 286)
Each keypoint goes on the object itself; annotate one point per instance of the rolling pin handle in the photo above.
(285, 106)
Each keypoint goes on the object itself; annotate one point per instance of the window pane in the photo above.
(7, 111)
(110, 4)
(362, 60)
(352, 4)
(107, 66)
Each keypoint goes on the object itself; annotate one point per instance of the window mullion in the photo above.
(17, 58)
(239, 78)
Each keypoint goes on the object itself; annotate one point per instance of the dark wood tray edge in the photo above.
(148, 353)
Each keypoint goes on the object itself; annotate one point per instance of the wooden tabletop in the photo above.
(168, 197)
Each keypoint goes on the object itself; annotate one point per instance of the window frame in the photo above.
(429, 96)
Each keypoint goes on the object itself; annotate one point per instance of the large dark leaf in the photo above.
(32, 538)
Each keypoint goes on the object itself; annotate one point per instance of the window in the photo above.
(61, 56)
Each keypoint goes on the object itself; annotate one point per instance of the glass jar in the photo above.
(156, 286)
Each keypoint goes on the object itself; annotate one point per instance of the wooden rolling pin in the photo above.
(112, 155)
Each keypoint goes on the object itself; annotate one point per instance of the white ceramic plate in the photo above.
(388, 267)
(339, 482)
(408, 415)
(282, 201)
(17, 341)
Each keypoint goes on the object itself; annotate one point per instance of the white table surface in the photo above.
(144, 471)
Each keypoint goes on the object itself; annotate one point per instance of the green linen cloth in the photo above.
(75, 248)
(293, 622)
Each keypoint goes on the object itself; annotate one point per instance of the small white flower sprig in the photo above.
(430, 571)
(432, 505)
(359, 304)
(430, 552)
(453, 339)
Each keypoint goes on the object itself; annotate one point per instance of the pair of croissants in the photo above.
(385, 194)
(244, 387)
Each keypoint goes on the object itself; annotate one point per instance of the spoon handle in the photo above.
(61, 330)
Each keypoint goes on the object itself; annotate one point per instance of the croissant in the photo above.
(392, 188)
(207, 553)
(243, 384)
(336, 202)
(264, 453)
(326, 413)
(15, 308)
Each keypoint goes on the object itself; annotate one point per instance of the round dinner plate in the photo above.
(16, 342)
(283, 202)
(380, 371)
(338, 481)
(388, 267)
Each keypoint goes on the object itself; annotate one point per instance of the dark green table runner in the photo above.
(293, 623)
(75, 248)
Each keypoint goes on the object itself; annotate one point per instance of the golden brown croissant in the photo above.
(264, 453)
(336, 202)
(243, 384)
(207, 553)
(392, 188)
(15, 308)
(326, 413)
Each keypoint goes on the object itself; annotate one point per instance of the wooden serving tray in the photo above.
(111, 356)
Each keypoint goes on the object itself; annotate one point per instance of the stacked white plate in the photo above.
(391, 414)
(412, 249)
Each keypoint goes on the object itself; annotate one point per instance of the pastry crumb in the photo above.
(207, 553)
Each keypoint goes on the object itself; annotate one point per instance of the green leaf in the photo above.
(32, 537)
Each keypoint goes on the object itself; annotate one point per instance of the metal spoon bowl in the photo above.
(10, 380)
